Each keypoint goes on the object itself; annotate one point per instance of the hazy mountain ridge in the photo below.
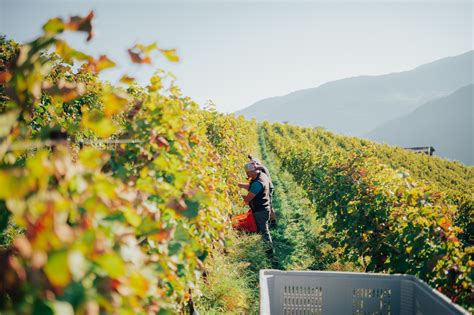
(445, 123)
(355, 106)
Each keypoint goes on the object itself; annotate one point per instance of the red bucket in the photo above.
(245, 222)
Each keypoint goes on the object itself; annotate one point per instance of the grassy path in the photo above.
(300, 240)
(296, 224)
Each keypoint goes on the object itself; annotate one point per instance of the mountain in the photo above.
(445, 124)
(355, 106)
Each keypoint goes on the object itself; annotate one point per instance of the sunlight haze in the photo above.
(236, 53)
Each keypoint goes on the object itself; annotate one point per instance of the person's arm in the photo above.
(249, 197)
(243, 185)
(254, 189)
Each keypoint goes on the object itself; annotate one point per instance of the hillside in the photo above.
(355, 106)
(445, 124)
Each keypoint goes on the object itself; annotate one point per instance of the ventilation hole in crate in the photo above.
(303, 300)
(371, 301)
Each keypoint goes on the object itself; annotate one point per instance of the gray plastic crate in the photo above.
(324, 292)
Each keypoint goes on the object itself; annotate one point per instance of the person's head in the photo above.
(255, 161)
(251, 170)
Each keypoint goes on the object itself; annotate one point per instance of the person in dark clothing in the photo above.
(264, 169)
(258, 198)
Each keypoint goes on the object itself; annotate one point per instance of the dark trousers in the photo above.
(261, 219)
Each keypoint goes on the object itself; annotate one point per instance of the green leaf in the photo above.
(42, 308)
(75, 294)
(4, 216)
(181, 234)
(116, 216)
(174, 248)
(192, 209)
(112, 264)
(54, 26)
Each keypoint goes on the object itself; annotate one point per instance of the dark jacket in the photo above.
(261, 201)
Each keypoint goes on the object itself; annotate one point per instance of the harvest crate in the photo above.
(323, 292)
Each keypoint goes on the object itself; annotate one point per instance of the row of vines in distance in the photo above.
(453, 179)
(384, 220)
(111, 196)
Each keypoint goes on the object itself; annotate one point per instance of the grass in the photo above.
(231, 282)
(300, 239)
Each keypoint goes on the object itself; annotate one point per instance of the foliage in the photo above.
(381, 219)
(119, 191)
(453, 179)
(231, 284)
(113, 196)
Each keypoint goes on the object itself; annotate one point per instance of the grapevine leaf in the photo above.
(114, 102)
(57, 269)
(170, 54)
(127, 79)
(99, 124)
(91, 157)
(139, 284)
(54, 26)
(69, 54)
(82, 24)
(112, 264)
(136, 57)
(192, 209)
(103, 63)
(7, 120)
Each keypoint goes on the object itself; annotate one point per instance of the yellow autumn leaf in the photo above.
(155, 83)
(14, 186)
(170, 54)
(114, 102)
(112, 264)
(100, 125)
(103, 63)
(91, 158)
(127, 79)
(139, 284)
(69, 54)
(132, 217)
(57, 269)
(149, 48)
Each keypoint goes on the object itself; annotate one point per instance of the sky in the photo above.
(237, 53)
